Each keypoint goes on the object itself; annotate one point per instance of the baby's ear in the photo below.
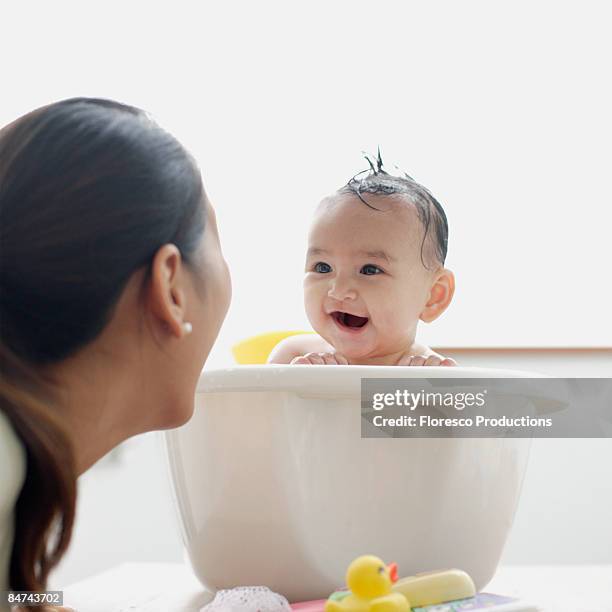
(440, 295)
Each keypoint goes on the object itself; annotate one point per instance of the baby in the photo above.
(374, 268)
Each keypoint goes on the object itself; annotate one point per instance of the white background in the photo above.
(501, 109)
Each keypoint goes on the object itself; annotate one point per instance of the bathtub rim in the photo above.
(345, 381)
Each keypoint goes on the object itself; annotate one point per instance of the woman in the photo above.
(113, 288)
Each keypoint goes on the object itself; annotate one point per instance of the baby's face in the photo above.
(365, 284)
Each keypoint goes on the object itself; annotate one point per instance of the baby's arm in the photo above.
(304, 348)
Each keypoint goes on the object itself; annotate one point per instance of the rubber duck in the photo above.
(369, 581)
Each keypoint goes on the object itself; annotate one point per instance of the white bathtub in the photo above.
(276, 487)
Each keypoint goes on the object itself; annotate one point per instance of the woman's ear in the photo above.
(167, 295)
(440, 295)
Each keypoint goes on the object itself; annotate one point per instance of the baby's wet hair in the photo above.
(377, 181)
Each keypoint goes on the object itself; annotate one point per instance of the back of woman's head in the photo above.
(89, 191)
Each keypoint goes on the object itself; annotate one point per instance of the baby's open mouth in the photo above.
(350, 321)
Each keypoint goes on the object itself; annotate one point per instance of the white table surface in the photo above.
(172, 587)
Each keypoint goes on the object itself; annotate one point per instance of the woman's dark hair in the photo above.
(376, 180)
(90, 189)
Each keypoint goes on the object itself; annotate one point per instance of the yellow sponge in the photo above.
(256, 349)
(430, 588)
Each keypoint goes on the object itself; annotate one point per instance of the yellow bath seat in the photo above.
(256, 349)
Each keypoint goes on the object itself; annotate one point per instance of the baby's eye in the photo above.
(370, 269)
(322, 267)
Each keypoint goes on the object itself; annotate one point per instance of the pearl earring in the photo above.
(187, 327)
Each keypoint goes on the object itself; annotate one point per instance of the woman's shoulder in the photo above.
(12, 475)
(12, 465)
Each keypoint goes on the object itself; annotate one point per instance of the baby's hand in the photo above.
(423, 360)
(320, 359)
